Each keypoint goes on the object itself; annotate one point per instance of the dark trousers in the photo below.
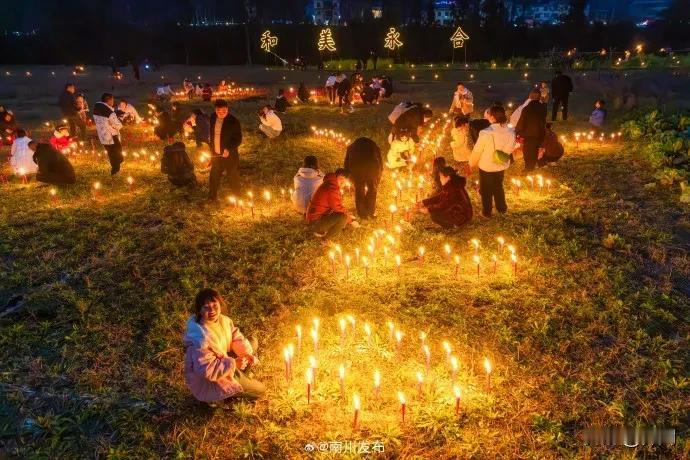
(530, 150)
(330, 224)
(442, 218)
(366, 189)
(343, 99)
(557, 103)
(219, 165)
(114, 155)
(77, 124)
(491, 191)
(331, 93)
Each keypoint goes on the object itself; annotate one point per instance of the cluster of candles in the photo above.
(331, 135)
(383, 249)
(591, 136)
(249, 203)
(348, 334)
(231, 91)
(535, 183)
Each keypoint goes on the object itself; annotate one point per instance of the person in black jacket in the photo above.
(165, 129)
(561, 87)
(226, 137)
(412, 120)
(344, 88)
(282, 103)
(302, 93)
(68, 107)
(531, 127)
(363, 160)
(177, 165)
(53, 166)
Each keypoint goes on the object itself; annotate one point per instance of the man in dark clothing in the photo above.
(531, 127)
(226, 137)
(177, 165)
(363, 160)
(68, 107)
(344, 87)
(561, 87)
(53, 166)
(165, 129)
(412, 120)
(282, 103)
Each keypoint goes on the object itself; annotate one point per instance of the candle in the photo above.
(393, 208)
(391, 329)
(286, 354)
(315, 339)
(456, 390)
(96, 188)
(377, 383)
(341, 373)
(316, 322)
(365, 262)
(356, 255)
(447, 250)
(251, 207)
(420, 383)
(513, 258)
(487, 368)
(339, 250)
(356, 406)
(298, 329)
(347, 266)
(494, 259)
(421, 252)
(475, 244)
(403, 405)
(331, 255)
(422, 337)
(310, 380)
(448, 348)
(342, 331)
(313, 365)
(427, 356)
(397, 263)
(453, 367)
(53, 195)
(457, 265)
(398, 339)
(501, 242)
(476, 261)
(367, 331)
(130, 181)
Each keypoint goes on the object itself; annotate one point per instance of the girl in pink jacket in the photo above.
(217, 354)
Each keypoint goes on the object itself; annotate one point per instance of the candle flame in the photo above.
(447, 248)
(398, 335)
(310, 375)
(487, 365)
(355, 401)
(476, 259)
(456, 390)
(427, 351)
(312, 362)
(454, 363)
(298, 329)
(342, 372)
(401, 397)
(420, 377)
(347, 260)
(342, 324)
(377, 378)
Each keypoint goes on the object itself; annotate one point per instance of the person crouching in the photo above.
(451, 207)
(177, 165)
(270, 124)
(217, 355)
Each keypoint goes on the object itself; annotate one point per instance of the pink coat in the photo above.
(208, 370)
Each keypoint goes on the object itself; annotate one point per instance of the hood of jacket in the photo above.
(309, 173)
(102, 109)
(331, 180)
(195, 335)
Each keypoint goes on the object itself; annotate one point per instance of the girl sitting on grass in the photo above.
(217, 355)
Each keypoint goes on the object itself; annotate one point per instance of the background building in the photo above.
(326, 12)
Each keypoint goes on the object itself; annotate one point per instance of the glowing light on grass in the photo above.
(403, 406)
(453, 367)
(476, 261)
(487, 369)
(458, 394)
(377, 383)
(427, 356)
(310, 380)
(315, 339)
(501, 243)
(341, 375)
(356, 406)
(298, 330)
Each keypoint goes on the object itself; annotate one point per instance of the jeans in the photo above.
(114, 155)
(330, 224)
(331, 93)
(491, 191)
(219, 165)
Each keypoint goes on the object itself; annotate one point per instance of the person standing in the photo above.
(463, 101)
(531, 127)
(363, 161)
(491, 155)
(331, 84)
(68, 107)
(226, 137)
(108, 127)
(561, 87)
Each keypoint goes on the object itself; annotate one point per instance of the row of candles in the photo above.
(591, 136)
(382, 244)
(348, 332)
(329, 134)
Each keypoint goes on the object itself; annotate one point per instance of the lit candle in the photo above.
(365, 262)
(315, 339)
(367, 331)
(398, 339)
(347, 266)
(298, 329)
(421, 252)
(339, 251)
(427, 356)
(475, 244)
(310, 380)
(251, 207)
(286, 354)
(501, 243)
(422, 337)
(487, 368)
(96, 189)
(476, 261)
(403, 406)
(331, 255)
(397, 263)
(53, 195)
(447, 250)
(453, 367)
(130, 181)
(457, 265)
(448, 348)
(313, 365)
(456, 390)
(356, 255)
(393, 208)
(342, 379)
(356, 406)
(513, 258)
(494, 259)
(342, 331)
(420, 383)
(377, 383)
(391, 330)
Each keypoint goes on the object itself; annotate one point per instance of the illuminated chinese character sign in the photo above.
(458, 38)
(392, 40)
(268, 41)
(326, 41)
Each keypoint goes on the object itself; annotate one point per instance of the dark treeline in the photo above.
(90, 31)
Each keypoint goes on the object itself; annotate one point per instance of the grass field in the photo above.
(591, 330)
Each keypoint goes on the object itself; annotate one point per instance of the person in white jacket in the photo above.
(307, 180)
(108, 127)
(270, 125)
(21, 156)
(401, 150)
(491, 155)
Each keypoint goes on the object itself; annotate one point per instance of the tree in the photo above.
(576, 14)
(430, 12)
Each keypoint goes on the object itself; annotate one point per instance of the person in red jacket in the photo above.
(326, 214)
(451, 207)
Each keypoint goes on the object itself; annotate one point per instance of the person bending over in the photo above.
(307, 180)
(217, 355)
(53, 166)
